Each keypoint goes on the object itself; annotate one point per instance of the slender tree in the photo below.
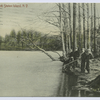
(83, 24)
(61, 30)
(88, 36)
(94, 29)
(79, 21)
(74, 25)
(91, 24)
(70, 23)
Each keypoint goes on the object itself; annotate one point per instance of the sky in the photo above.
(29, 16)
(25, 16)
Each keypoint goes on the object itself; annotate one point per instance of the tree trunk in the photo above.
(61, 31)
(45, 52)
(70, 22)
(80, 32)
(91, 24)
(84, 25)
(74, 25)
(40, 50)
(94, 29)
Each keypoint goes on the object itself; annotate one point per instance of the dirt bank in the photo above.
(87, 83)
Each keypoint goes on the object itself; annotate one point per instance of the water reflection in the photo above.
(67, 82)
(67, 90)
(72, 81)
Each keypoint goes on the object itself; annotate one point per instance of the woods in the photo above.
(14, 41)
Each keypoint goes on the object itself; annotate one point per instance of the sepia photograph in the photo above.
(49, 49)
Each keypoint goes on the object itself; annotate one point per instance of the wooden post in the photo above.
(74, 25)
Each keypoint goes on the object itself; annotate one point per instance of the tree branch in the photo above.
(39, 49)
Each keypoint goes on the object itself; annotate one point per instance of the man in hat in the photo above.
(85, 61)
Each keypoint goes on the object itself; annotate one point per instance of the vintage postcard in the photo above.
(49, 49)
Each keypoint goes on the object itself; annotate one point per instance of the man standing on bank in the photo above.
(85, 61)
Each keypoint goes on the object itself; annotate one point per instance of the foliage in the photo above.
(14, 41)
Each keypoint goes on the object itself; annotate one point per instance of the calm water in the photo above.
(28, 73)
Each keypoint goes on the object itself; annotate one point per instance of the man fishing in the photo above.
(76, 56)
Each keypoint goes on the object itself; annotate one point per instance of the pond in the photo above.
(33, 74)
(29, 73)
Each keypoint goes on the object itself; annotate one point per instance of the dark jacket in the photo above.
(76, 54)
(85, 58)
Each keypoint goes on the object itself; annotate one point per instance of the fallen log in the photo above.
(39, 49)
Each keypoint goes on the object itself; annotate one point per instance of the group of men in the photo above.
(84, 56)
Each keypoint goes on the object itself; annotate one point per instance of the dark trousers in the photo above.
(85, 65)
(75, 63)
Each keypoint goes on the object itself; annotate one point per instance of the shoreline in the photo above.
(86, 82)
